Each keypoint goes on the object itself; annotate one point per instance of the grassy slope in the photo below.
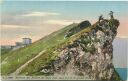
(34, 67)
(4, 51)
(14, 59)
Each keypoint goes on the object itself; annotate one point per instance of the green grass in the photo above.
(14, 59)
(4, 51)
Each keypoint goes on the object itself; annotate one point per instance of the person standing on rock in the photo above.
(100, 18)
(111, 14)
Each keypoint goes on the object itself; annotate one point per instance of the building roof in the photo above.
(26, 38)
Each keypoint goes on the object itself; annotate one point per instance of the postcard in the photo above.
(64, 40)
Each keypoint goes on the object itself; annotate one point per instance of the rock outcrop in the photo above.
(78, 28)
(89, 55)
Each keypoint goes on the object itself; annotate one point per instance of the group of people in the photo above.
(111, 16)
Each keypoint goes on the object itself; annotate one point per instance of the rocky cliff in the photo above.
(90, 54)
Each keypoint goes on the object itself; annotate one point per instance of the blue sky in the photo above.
(36, 19)
(87, 8)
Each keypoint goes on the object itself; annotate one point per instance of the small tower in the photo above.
(111, 14)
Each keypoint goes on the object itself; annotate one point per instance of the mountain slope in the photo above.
(14, 59)
(87, 53)
(50, 54)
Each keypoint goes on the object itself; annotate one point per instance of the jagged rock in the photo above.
(90, 55)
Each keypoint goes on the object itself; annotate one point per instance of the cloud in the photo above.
(1, 1)
(13, 27)
(17, 19)
(39, 14)
(14, 31)
(59, 22)
(120, 36)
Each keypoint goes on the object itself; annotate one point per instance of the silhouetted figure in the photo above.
(101, 18)
(111, 14)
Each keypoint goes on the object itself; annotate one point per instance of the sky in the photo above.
(36, 19)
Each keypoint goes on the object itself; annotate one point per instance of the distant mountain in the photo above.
(120, 47)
